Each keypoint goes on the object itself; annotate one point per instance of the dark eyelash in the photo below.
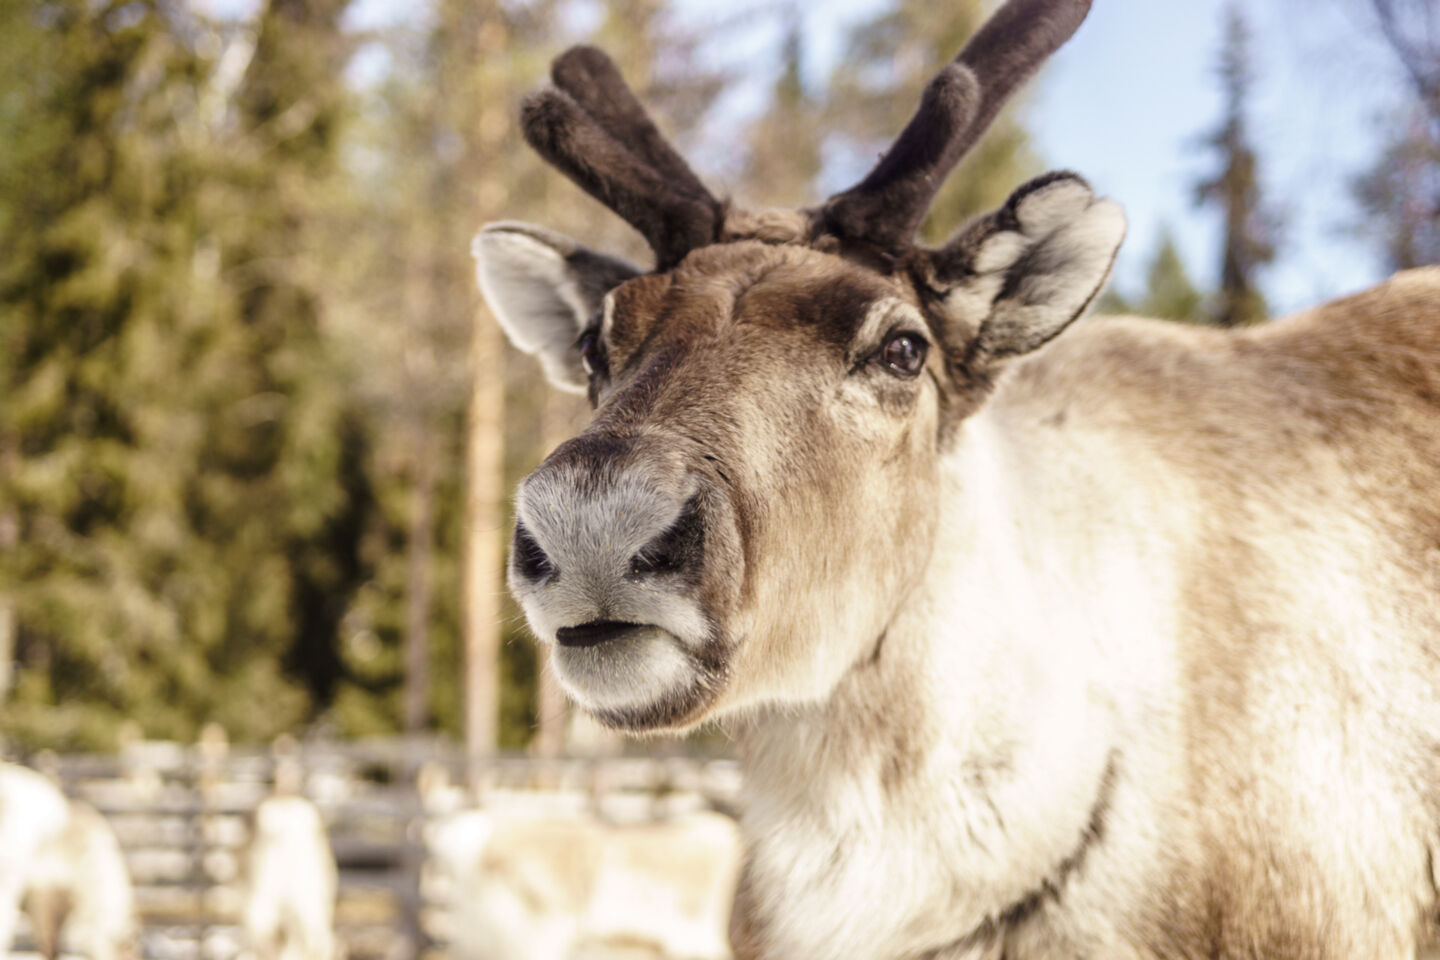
(592, 327)
(597, 358)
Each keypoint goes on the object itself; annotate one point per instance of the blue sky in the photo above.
(1126, 103)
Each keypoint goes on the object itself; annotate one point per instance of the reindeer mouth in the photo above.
(597, 632)
(635, 676)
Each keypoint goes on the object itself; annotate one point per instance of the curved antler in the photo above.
(591, 127)
(886, 208)
(593, 81)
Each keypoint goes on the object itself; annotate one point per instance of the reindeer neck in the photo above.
(951, 688)
(979, 722)
(1042, 628)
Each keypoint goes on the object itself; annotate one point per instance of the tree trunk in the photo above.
(479, 71)
(7, 646)
(485, 462)
(417, 598)
(9, 539)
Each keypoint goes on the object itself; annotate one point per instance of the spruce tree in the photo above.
(175, 465)
(785, 142)
(1399, 195)
(1169, 292)
(1249, 240)
(293, 105)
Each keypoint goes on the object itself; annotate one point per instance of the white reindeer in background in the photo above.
(61, 859)
(291, 877)
(549, 887)
(1042, 637)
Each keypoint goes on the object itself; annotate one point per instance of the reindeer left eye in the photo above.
(903, 353)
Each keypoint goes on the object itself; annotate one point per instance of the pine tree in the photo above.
(176, 467)
(293, 104)
(402, 338)
(785, 142)
(1235, 188)
(1399, 196)
(1169, 293)
(1411, 29)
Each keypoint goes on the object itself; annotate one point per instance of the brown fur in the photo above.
(1333, 412)
(1347, 392)
(48, 907)
(741, 314)
(1210, 728)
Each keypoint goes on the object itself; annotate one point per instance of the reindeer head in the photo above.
(757, 490)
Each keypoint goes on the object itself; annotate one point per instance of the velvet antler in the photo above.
(593, 129)
(593, 81)
(886, 208)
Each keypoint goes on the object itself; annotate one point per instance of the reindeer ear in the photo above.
(1013, 279)
(543, 288)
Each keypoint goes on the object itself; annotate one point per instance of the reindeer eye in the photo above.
(591, 357)
(903, 353)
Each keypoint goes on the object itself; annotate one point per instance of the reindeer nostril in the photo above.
(654, 560)
(678, 550)
(529, 559)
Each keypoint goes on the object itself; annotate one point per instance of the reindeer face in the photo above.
(757, 490)
(756, 407)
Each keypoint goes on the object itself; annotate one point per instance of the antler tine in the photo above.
(1012, 45)
(672, 220)
(886, 207)
(593, 81)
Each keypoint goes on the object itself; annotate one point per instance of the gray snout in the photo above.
(600, 551)
(676, 551)
(618, 549)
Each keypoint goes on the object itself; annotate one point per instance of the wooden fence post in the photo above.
(211, 751)
(287, 769)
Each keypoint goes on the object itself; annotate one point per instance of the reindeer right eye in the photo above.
(592, 353)
(903, 353)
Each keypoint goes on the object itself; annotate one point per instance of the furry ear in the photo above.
(543, 288)
(1013, 279)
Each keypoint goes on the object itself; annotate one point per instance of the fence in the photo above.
(182, 815)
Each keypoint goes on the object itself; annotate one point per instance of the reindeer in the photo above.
(537, 886)
(291, 877)
(60, 859)
(1039, 638)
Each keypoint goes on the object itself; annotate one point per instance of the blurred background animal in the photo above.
(557, 887)
(60, 859)
(291, 878)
